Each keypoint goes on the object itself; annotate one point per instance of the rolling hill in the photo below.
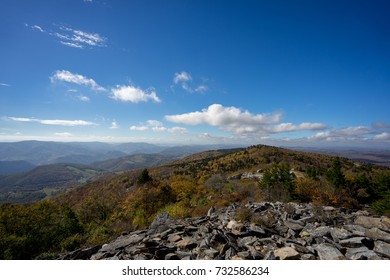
(45, 181)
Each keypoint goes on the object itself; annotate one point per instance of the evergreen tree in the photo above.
(144, 177)
(335, 174)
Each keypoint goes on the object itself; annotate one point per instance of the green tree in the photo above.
(278, 182)
(28, 231)
(144, 177)
(335, 175)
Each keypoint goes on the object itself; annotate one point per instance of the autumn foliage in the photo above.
(97, 212)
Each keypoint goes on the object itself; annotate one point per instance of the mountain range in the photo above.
(33, 170)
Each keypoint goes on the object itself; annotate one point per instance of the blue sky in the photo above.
(310, 73)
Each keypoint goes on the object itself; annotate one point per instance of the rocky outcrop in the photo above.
(266, 231)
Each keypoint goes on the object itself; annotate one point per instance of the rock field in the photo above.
(256, 231)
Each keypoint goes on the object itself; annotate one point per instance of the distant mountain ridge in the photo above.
(33, 170)
(42, 152)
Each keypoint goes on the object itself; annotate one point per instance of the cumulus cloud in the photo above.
(73, 78)
(240, 122)
(158, 126)
(134, 94)
(228, 118)
(54, 122)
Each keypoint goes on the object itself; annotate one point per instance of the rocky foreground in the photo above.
(256, 231)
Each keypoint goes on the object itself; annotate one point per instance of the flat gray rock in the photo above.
(377, 234)
(382, 248)
(328, 252)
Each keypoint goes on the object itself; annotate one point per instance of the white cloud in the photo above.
(84, 98)
(288, 127)
(69, 77)
(4, 85)
(201, 89)
(177, 129)
(229, 118)
(348, 133)
(154, 123)
(384, 136)
(74, 38)
(139, 128)
(78, 38)
(133, 94)
(158, 126)
(182, 77)
(72, 45)
(114, 125)
(37, 27)
(92, 39)
(242, 123)
(54, 122)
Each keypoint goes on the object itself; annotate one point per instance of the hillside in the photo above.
(15, 166)
(44, 181)
(103, 209)
(135, 161)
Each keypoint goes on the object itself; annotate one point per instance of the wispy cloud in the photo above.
(84, 98)
(184, 79)
(134, 94)
(79, 39)
(69, 77)
(54, 122)
(37, 27)
(241, 122)
(74, 38)
(114, 125)
(5, 85)
(158, 126)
